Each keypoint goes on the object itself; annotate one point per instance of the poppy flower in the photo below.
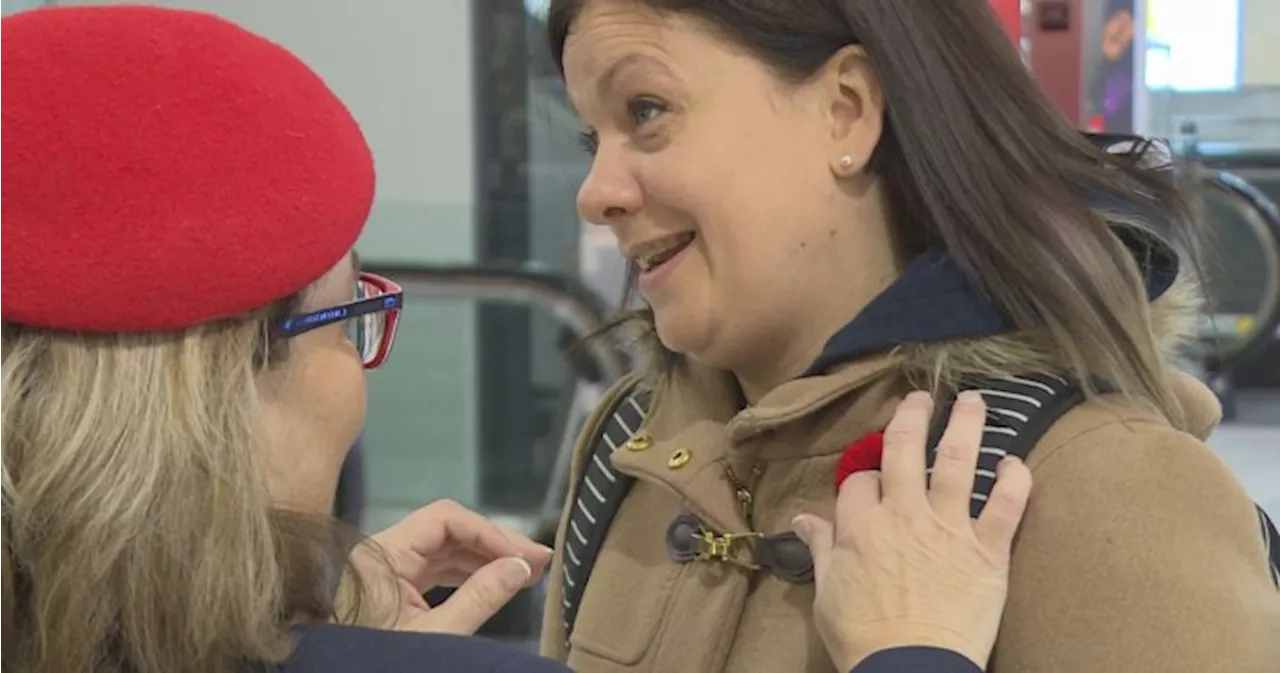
(859, 456)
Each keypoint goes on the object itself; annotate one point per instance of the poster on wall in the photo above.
(1109, 88)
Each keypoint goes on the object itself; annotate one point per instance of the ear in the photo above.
(855, 104)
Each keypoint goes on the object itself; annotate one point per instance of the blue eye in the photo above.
(644, 110)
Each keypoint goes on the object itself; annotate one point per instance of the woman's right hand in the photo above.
(903, 564)
(447, 545)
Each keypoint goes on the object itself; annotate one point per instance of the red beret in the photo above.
(165, 168)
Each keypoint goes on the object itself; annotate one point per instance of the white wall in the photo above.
(404, 69)
(1260, 43)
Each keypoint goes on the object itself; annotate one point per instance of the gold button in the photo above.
(679, 458)
(639, 443)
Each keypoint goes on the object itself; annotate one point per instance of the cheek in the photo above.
(334, 394)
(347, 394)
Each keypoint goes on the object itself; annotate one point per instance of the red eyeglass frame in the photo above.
(391, 300)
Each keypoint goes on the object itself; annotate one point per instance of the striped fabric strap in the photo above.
(1271, 542)
(1019, 411)
(599, 493)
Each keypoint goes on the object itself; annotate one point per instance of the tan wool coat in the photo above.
(1140, 552)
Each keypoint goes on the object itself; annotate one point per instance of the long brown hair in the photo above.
(139, 536)
(975, 158)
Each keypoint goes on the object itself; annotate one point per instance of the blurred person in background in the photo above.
(185, 333)
(826, 204)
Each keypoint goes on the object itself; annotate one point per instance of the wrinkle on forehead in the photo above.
(604, 33)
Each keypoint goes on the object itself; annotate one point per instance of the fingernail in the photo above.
(801, 526)
(970, 397)
(516, 572)
(548, 550)
(919, 397)
(1006, 462)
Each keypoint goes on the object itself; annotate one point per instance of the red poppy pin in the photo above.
(859, 456)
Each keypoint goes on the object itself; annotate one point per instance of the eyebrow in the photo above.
(609, 80)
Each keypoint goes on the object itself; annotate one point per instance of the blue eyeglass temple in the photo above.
(298, 324)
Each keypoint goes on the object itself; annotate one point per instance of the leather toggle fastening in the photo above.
(784, 555)
(787, 557)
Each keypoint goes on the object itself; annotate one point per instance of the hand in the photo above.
(904, 564)
(442, 545)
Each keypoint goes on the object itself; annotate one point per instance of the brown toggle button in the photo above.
(787, 557)
(679, 458)
(682, 543)
(639, 443)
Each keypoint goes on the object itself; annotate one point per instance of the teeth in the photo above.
(656, 252)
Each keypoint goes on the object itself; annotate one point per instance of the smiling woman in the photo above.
(826, 204)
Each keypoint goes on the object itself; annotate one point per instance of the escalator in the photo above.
(1240, 337)
(1242, 207)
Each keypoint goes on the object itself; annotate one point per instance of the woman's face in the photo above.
(726, 185)
(315, 402)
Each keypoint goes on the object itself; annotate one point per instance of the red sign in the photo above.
(1010, 14)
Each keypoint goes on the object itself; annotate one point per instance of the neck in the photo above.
(791, 353)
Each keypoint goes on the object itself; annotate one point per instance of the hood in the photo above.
(1202, 412)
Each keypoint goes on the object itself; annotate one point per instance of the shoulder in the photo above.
(326, 648)
(1105, 451)
(1133, 526)
(1130, 441)
(1115, 481)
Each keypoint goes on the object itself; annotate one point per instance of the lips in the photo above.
(653, 254)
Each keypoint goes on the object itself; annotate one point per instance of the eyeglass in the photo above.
(371, 318)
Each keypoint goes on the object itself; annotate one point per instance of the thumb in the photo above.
(819, 536)
(480, 597)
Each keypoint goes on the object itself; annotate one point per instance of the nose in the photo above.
(610, 194)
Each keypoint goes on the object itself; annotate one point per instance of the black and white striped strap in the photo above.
(1271, 542)
(599, 493)
(1019, 411)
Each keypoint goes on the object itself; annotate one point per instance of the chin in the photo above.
(688, 336)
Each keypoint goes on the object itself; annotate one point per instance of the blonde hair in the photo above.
(139, 534)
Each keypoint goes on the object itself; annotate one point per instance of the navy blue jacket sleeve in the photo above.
(347, 649)
(916, 660)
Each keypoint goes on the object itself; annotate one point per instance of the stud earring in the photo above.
(846, 162)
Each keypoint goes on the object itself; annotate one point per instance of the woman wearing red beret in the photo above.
(185, 329)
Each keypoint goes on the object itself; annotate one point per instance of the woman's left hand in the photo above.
(903, 563)
(447, 545)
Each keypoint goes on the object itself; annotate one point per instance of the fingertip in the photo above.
(1013, 486)
(970, 401)
(1012, 467)
(515, 572)
(540, 554)
(862, 482)
(802, 525)
(918, 398)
